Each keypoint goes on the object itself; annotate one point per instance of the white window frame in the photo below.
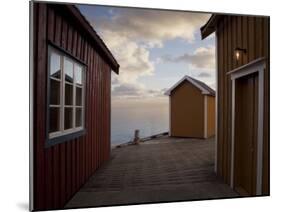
(62, 105)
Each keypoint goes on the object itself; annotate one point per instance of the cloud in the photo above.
(137, 91)
(153, 26)
(202, 57)
(127, 90)
(133, 58)
(204, 74)
(213, 85)
(131, 33)
(114, 80)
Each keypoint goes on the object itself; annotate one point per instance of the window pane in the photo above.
(68, 70)
(78, 117)
(55, 65)
(78, 75)
(55, 92)
(78, 96)
(54, 119)
(68, 94)
(68, 117)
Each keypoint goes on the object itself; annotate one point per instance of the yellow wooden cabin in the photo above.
(192, 109)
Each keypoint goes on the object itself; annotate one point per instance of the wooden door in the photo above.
(246, 123)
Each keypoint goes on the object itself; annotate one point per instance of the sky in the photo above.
(155, 49)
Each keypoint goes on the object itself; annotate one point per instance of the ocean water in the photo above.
(150, 117)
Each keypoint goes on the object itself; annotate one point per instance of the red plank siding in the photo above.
(39, 64)
(63, 164)
(60, 170)
(57, 148)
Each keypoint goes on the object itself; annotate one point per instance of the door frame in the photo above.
(257, 65)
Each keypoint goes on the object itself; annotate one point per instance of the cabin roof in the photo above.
(210, 26)
(83, 22)
(205, 89)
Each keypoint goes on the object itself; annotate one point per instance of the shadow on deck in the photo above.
(160, 170)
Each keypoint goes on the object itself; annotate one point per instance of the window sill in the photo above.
(64, 138)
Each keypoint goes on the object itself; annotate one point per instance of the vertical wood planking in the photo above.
(85, 58)
(57, 148)
(81, 140)
(73, 142)
(239, 37)
(104, 144)
(266, 159)
(109, 114)
(95, 99)
(229, 91)
(250, 33)
(77, 142)
(94, 105)
(245, 45)
(84, 138)
(90, 140)
(224, 91)
(102, 115)
(108, 127)
(251, 38)
(235, 63)
(96, 110)
(49, 152)
(63, 165)
(86, 109)
(88, 118)
(234, 28)
(220, 96)
(62, 169)
(40, 80)
(99, 109)
(37, 185)
(267, 109)
(74, 42)
(91, 118)
(69, 144)
(259, 37)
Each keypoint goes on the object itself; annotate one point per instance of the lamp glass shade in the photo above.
(237, 54)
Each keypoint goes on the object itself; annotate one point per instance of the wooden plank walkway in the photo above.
(160, 170)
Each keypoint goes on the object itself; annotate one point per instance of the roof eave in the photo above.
(203, 92)
(209, 94)
(210, 26)
(186, 78)
(167, 93)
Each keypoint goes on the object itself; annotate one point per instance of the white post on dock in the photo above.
(137, 138)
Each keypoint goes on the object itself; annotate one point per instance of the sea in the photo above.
(150, 117)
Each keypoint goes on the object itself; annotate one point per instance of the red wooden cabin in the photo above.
(70, 103)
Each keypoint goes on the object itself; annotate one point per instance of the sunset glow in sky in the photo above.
(155, 48)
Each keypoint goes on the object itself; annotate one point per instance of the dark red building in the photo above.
(70, 103)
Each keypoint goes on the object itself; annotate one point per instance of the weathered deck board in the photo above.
(165, 169)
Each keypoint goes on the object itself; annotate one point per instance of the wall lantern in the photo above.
(238, 52)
